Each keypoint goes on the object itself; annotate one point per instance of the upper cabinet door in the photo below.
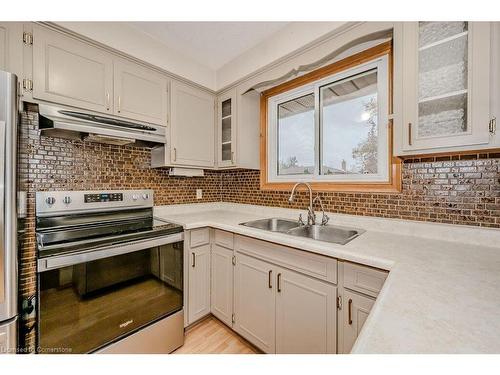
(226, 129)
(71, 72)
(11, 47)
(140, 93)
(192, 126)
(445, 84)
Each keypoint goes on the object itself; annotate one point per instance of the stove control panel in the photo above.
(103, 197)
(57, 202)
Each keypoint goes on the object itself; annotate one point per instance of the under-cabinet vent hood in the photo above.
(63, 122)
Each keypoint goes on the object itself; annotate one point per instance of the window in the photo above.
(331, 127)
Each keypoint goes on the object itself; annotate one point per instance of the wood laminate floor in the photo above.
(213, 337)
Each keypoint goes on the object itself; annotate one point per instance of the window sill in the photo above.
(394, 184)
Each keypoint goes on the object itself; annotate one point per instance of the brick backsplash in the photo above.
(451, 189)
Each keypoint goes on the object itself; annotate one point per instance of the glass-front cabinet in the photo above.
(445, 66)
(226, 129)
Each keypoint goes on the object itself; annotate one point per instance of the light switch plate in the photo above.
(199, 194)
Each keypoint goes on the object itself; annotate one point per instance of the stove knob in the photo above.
(50, 200)
(135, 197)
(67, 200)
(145, 196)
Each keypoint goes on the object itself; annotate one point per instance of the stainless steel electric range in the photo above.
(110, 275)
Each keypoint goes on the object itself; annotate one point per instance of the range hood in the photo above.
(69, 123)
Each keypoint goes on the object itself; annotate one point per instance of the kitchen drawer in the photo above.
(224, 239)
(315, 265)
(199, 237)
(364, 279)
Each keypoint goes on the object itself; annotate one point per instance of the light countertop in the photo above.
(443, 290)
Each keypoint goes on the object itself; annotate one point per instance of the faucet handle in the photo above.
(301, 222)
(324, 219)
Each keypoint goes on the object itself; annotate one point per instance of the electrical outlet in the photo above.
(199, 194)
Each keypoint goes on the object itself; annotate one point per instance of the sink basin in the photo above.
(327, 233)
(273, 224)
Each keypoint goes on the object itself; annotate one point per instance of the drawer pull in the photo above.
(194, 260)
(269, 280)
(279, 282)
(350, 311)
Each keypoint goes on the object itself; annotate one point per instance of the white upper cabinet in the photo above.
(441, 88)
(68, 71)
(238, 129)
(140, 93)
(192, 126)
(226, 129)
(11, 47)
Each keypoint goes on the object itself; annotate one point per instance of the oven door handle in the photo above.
(51, 263)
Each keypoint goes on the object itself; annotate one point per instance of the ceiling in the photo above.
(212, 44)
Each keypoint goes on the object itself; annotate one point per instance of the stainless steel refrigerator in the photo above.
(8, 212)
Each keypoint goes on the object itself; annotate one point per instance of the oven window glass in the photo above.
(86, 306)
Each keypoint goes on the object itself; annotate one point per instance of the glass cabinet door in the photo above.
(444, 89)
(226, 130)
(442, 78)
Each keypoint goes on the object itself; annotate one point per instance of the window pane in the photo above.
(349, 141)
(296, 136)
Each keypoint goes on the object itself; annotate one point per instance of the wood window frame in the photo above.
(394, 169)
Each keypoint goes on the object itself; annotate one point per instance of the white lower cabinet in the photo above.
(355, 310)
(306, 314)
(303, 308)
(281, 311)
(198, 283)
(254, 305)
(221, 298)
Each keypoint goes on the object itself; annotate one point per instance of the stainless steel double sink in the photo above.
(326, 233)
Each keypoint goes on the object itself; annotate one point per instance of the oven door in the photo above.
(86, 305)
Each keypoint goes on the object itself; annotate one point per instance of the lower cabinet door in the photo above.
(199, 283)
(221, 298)
(355, 310)
(254, 308)
(306, 314)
